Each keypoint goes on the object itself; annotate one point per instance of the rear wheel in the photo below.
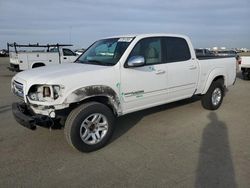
(214, 96)
(89, 127)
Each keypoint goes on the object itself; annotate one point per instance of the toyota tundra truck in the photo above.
(116, 76)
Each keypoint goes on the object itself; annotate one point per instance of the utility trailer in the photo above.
(37, 55)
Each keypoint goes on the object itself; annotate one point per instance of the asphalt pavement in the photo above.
(173, 145)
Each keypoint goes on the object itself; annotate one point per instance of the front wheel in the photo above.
(89, 127)
(214, 96)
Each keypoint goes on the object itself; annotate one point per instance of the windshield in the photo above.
(105, 52)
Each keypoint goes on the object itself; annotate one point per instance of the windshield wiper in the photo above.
(79, 61)
(100, 62)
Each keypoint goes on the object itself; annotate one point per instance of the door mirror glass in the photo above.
(136, 61)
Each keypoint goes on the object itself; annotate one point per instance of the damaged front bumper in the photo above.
(28, 119)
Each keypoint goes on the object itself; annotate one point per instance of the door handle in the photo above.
(192, 67)
(65, 58)
(160, 72)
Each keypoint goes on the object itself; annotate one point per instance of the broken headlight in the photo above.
(44, 92)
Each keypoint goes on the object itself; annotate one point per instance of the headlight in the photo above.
(44, 92)
(57, 91)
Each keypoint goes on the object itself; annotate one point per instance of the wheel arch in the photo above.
(214, 76)
(37, 64)
(98, 93)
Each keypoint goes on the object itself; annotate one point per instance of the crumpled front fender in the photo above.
(95, 91)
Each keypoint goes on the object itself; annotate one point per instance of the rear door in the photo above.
(182, 70)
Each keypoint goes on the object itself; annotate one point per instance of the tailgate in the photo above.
(245, 61)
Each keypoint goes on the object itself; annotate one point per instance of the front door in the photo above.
(68, 56)
(144, 86)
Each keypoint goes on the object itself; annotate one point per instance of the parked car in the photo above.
(4, 53)
(226, 53)
(52, 54)
(79, 51)
(204, 53)
(116, 76)
(244, 66)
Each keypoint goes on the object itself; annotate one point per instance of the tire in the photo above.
(214, 96)
(248, 74)
(244, 76)
(88, 122)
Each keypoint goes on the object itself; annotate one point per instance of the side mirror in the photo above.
(136, 61)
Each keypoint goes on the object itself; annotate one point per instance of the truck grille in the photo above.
(17, 89)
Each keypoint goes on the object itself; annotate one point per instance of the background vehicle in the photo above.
(117, 76)
(231, 53)
(4, 53)
(203, 53)
(244, 66)
(44, 55)
(79, 51)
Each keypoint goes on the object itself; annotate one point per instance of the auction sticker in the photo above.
(125, 39)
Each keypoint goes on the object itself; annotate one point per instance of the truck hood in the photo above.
(65, 74)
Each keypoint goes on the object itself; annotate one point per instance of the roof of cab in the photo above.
(149, 35)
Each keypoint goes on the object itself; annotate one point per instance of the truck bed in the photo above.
(212, 57)
(219, 64)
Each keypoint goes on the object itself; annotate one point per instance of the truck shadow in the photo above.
(215, 166)
(126, 122)
(5, 108)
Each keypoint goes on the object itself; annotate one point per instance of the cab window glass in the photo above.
(150, 49)
(177, 49)
(68, 52)
(53, 49)
(106, 52)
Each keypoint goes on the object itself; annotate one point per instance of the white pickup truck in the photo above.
(244, 66)
(50, 54)
(117, 76)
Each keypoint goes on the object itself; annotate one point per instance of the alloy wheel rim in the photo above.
(216, 96)
(94, 128)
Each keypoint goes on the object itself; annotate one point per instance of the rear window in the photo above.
(177, 49)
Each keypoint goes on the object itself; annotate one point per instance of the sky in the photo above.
(81, 22)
